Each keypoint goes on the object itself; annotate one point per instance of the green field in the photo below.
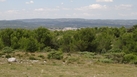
(82, 67)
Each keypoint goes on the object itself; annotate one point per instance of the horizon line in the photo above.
(67, 18)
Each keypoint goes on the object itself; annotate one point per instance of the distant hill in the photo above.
(65, 22)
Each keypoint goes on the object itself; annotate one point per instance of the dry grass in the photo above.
(56, 68)
(71, 70)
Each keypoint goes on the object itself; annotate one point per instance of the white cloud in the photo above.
(66, 9)
(71, 1)
(39, 9)
(87, 14)
(47, 9)
(2, 0)
(92, 7)
(30, 2)
(97, 6)
(12, 11)
(123, 6)
(104, 0)
(62, 3)
(51, 9)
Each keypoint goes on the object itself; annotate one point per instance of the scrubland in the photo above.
(71, 65)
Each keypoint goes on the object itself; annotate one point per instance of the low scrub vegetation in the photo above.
(103, 44)
(55, 55)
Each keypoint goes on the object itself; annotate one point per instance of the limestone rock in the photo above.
(12, 59)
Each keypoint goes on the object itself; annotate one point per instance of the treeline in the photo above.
(97, 39)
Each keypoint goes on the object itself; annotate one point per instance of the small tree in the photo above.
(32, 45)
(1, 44)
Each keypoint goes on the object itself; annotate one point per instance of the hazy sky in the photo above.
(88, 9)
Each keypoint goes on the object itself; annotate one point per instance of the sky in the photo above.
(87, 9)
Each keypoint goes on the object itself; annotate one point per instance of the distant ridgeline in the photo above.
(65, 22)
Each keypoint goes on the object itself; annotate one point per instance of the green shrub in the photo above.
(135, 61)
(31, 45)
(47, 49)
(87, 54)
(1, 44)
(116, 57)
(130, 58)
(115, 50)
(7, 50)
(42, 56)
(106, 60)
(55, 55)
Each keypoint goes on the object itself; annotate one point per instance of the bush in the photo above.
(130, 58)
(135, 62)
(7, 50)
(47, 49)
(115, 50)
(106, 60)
(116, 57)
(1, 44)
(55, 55)
(32, 45)
(87, 54)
